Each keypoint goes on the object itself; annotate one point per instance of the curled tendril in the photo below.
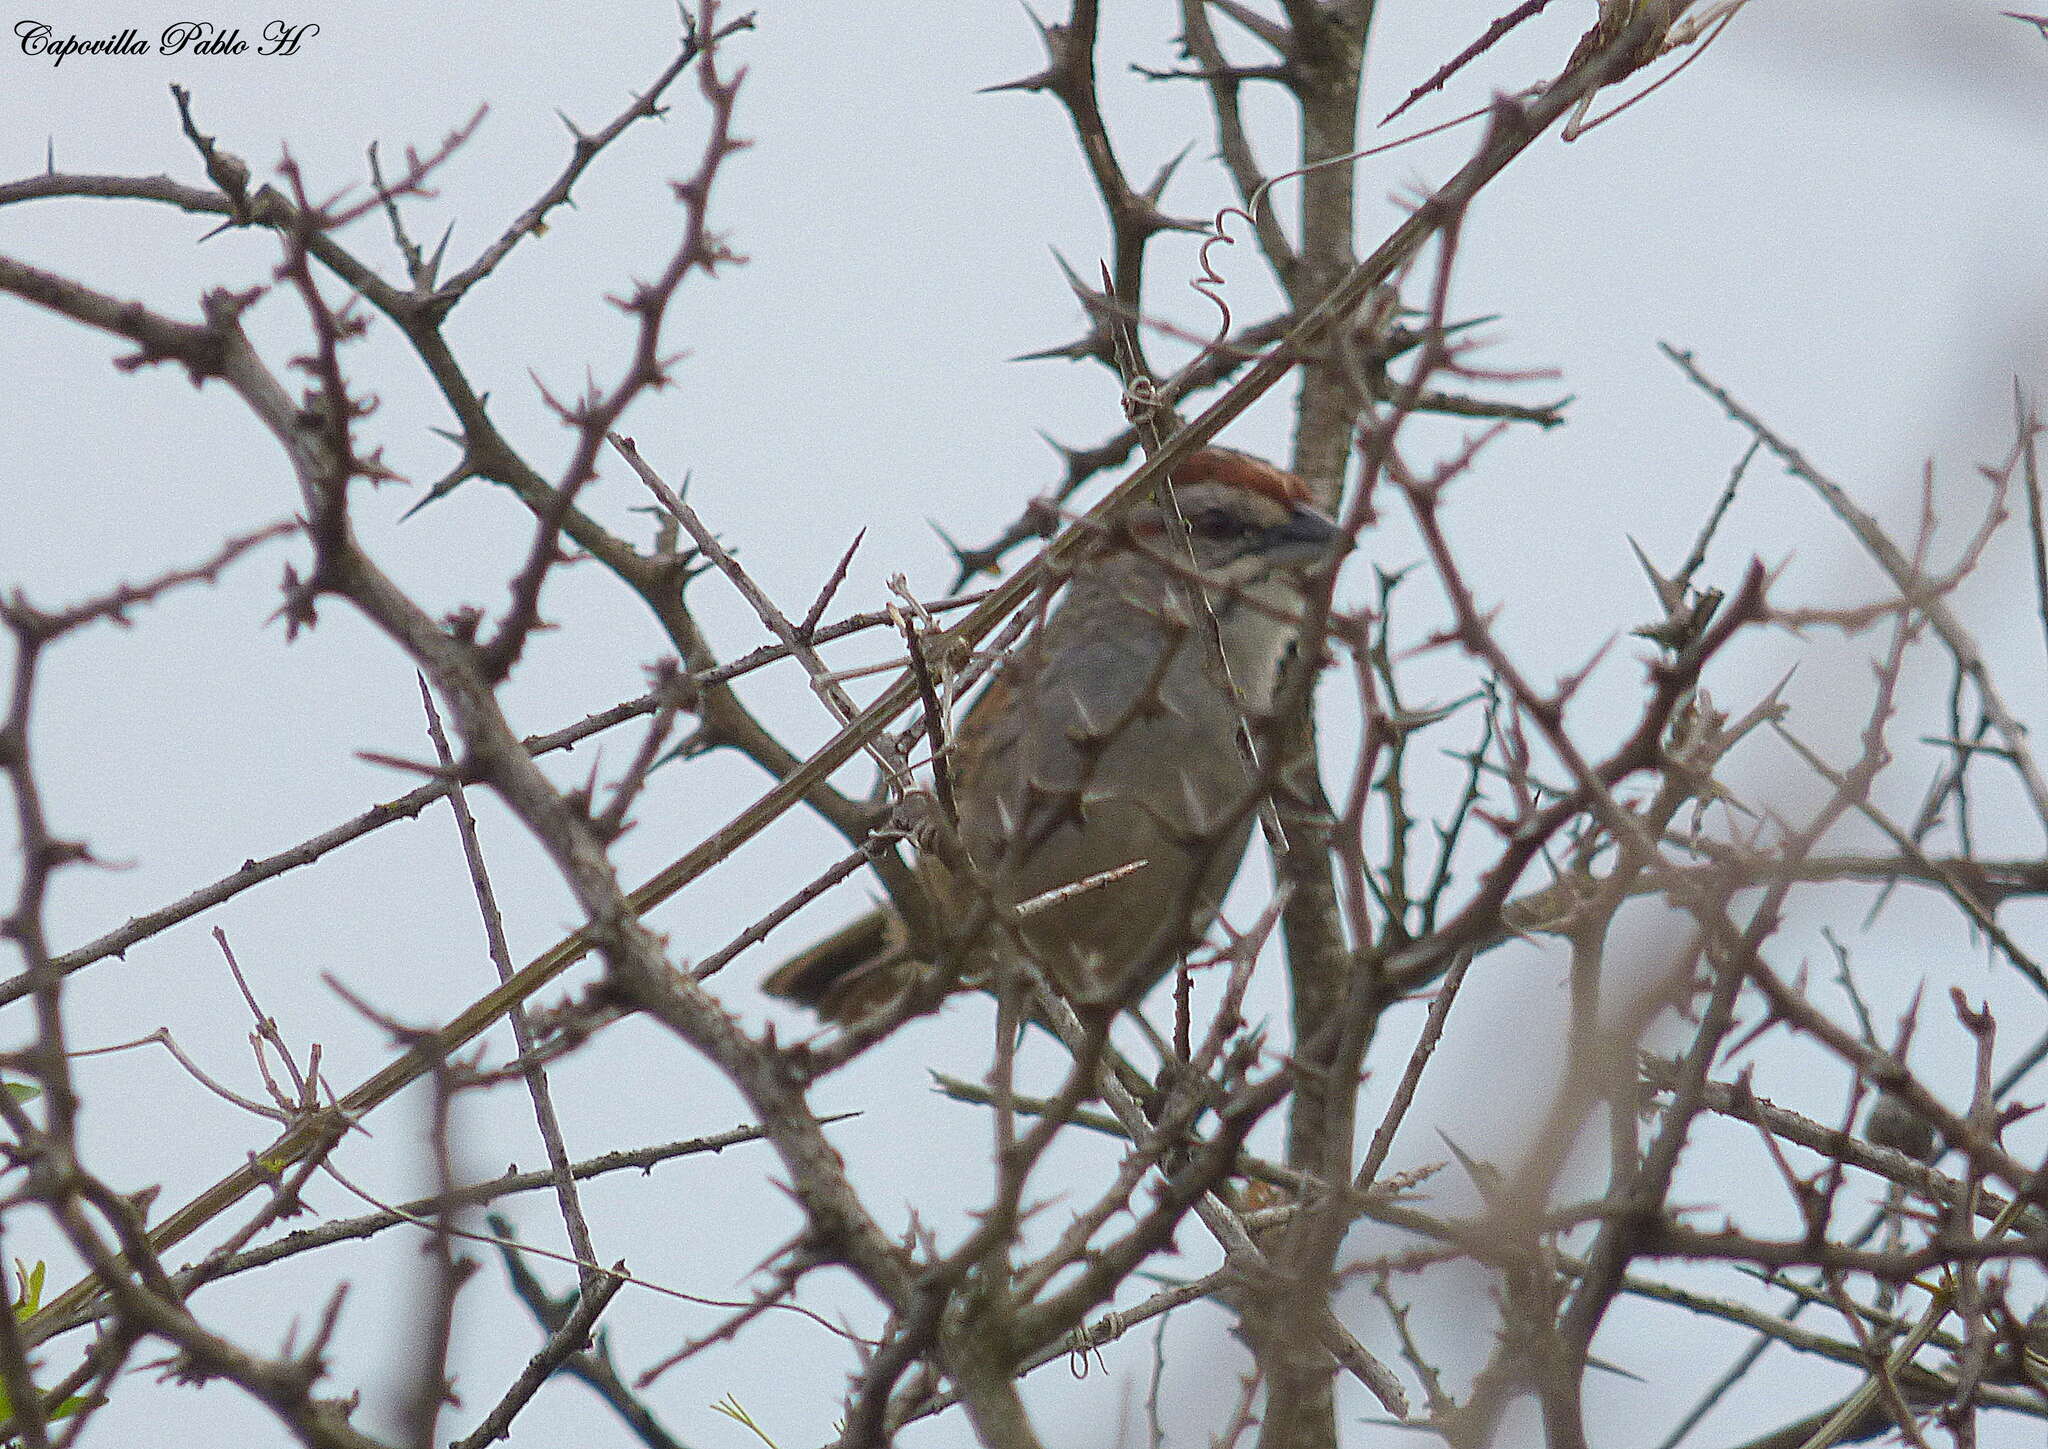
(1705, 29)
(1142, 397)
(1210, 281)
(1085, 1343)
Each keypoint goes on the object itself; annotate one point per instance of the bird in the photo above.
(1102, 782)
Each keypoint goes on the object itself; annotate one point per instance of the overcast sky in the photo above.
(1839, 209)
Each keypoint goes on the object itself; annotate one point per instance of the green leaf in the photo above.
(30, 1298)
(77, 1403)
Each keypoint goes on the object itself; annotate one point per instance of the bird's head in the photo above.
(1247, 521)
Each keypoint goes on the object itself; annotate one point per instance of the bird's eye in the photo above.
(1217, 523)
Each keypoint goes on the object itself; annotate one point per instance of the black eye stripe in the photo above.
(1213, 524)
(1217, 523)
(1203, 523)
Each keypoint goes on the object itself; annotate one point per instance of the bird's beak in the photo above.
(1304, 538)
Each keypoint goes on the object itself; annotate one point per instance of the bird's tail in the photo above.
(854, 971)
